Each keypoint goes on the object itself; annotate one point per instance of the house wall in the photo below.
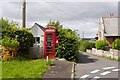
(101, 30)
(110, 40)
(41, 34)
(34, 31)
(37, 32)
(37, 50)
(119, 26)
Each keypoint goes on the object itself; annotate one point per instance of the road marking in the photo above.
(96, 77)
(108, 67)
(94, 71)
(84, 76)
(105, 73)
(116, 70)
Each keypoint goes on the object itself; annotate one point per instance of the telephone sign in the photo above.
(50, 42)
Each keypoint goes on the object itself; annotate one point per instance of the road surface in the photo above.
(90, 67)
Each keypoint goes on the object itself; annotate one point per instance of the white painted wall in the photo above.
(37, 32)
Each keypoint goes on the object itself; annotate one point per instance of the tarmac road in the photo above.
(90, 67)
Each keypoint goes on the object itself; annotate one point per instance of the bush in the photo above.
(7, 42)
(86, 45)
(26, 40)
(101, 44)
(9, 47)
(68, 46)
(22, 35)
(116, 44)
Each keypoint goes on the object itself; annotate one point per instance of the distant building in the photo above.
(89, 39)
(109, 28)
(38, 33)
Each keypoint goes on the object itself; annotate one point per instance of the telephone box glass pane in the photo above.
(49, 40)
(49, 36)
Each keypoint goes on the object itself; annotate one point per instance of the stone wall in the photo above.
(112, 53)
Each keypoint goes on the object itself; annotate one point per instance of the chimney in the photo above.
(111, 15)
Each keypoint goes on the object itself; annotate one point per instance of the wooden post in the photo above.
(24, 14)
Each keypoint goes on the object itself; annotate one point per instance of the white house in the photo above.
(109, 28)
(38, 33)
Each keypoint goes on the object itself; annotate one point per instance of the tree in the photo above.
(8, 27)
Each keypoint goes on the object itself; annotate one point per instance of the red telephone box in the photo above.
(49, 42)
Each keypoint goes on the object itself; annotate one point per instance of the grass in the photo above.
(111, 58)
(0, 69)
(24, 68)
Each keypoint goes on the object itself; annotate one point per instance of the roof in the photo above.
(111, 26)
(41, 27)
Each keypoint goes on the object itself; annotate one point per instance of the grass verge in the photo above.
(24, 68)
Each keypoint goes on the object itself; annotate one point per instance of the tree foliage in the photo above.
(84, 44)
(8, 27)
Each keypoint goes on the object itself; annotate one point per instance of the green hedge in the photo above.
(84, 44)
(116, 44)
(26, 40)
(68, 47)
(101, 44)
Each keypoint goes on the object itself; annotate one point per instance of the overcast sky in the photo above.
(81, 16)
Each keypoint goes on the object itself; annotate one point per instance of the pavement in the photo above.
(90, 67)
(61, 69)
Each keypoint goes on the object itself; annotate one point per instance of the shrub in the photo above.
(86, 45)
(116, 44)
(7, 42)
(22, 35)
(9, 47)
(101, 44)
(26, 40)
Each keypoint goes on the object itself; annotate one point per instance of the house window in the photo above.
(37, 40)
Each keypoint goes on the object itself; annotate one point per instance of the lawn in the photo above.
(0, 69)
(24, 69)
